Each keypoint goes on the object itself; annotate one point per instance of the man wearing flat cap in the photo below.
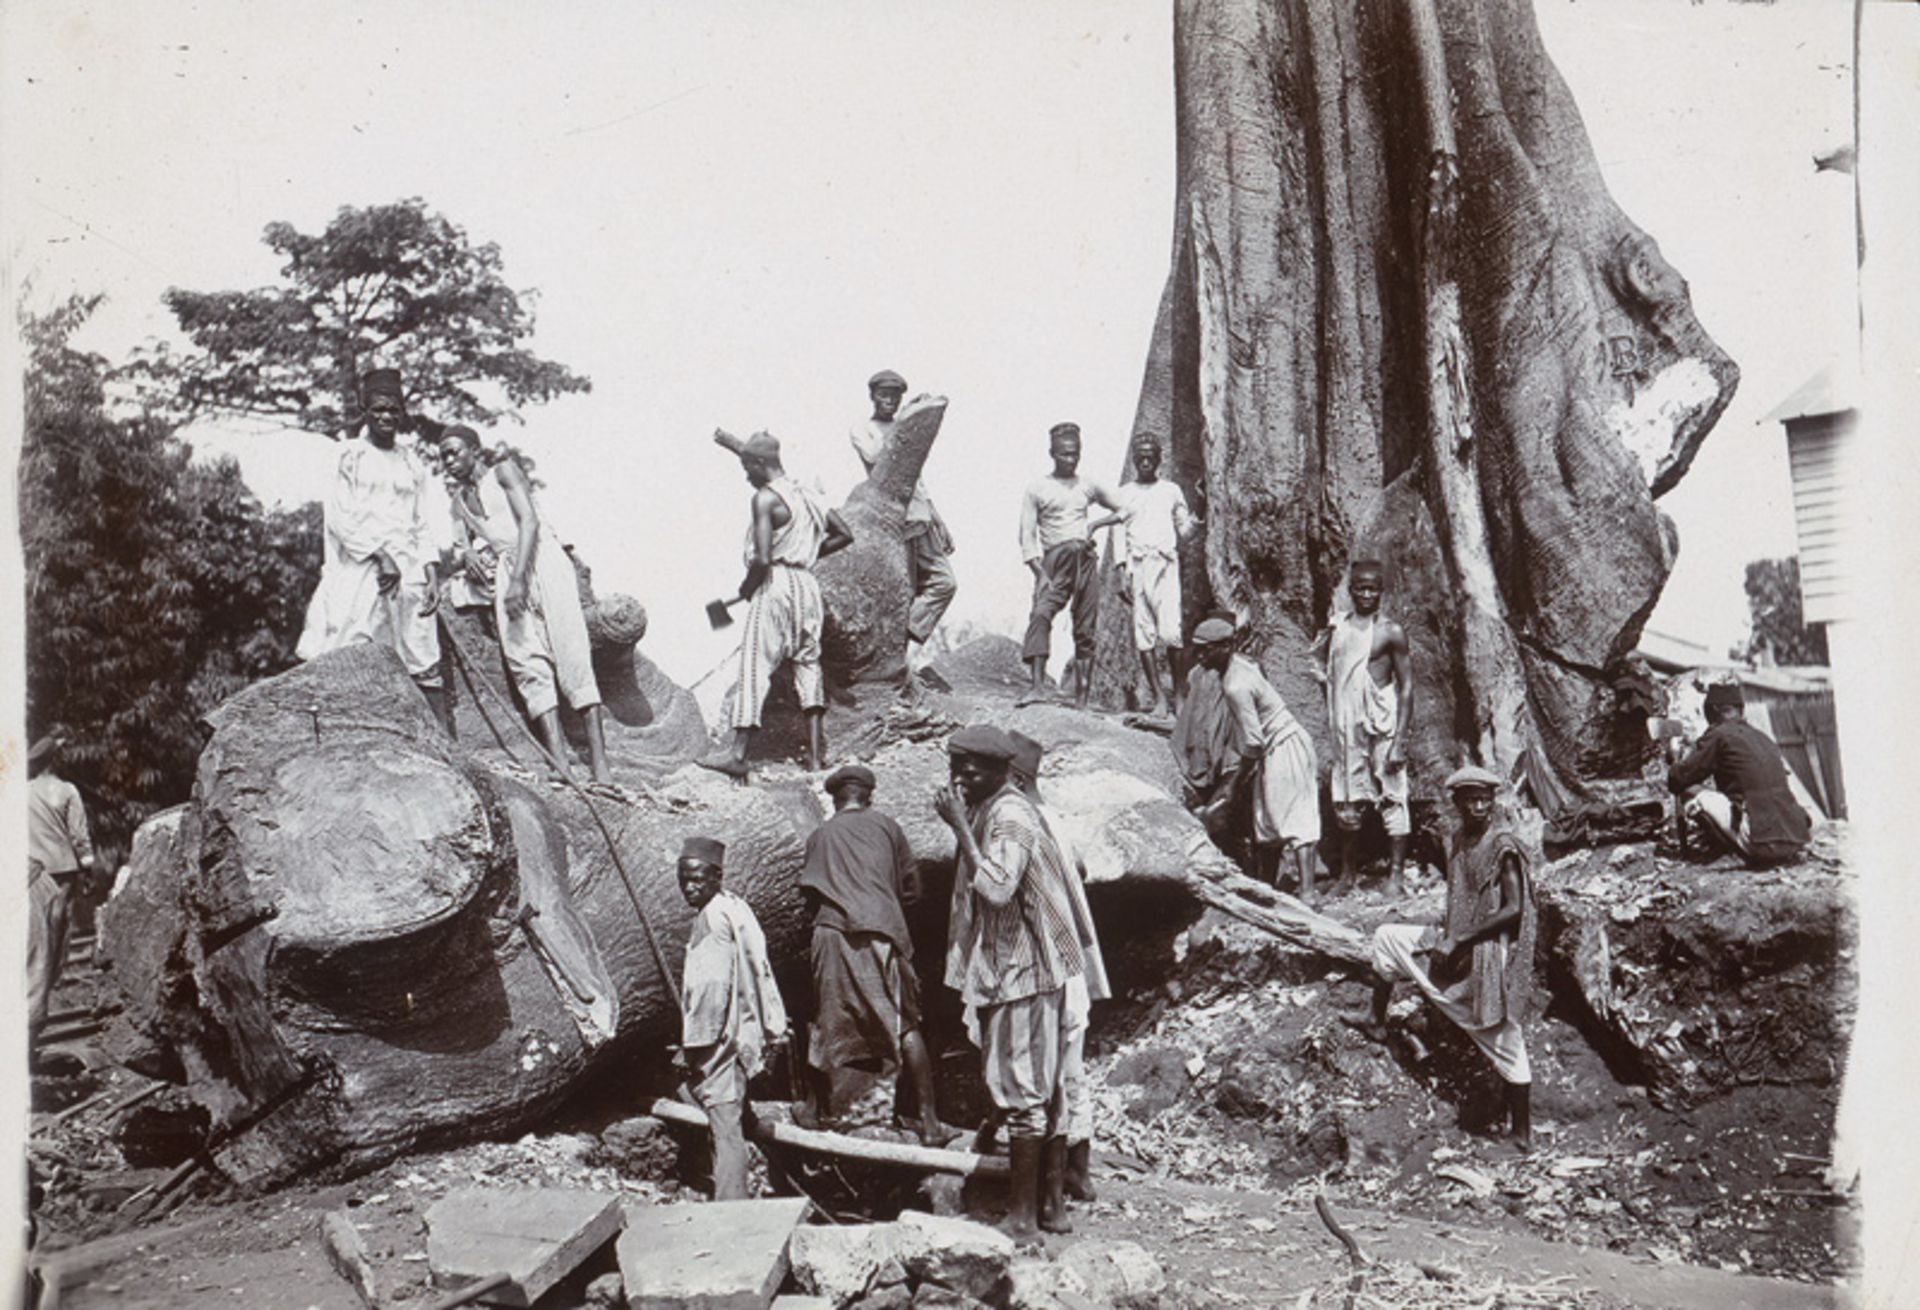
(376, 576)
(789, 533)
(1057, 545)
(859, 871)
(59, 852)
(1011, 949)
(1753, 811)
(928, 542)
(1479, 972)
(730, 1008)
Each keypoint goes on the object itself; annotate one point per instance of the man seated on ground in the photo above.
(1274, 763)
(1753, 812)
(538, 620)
(730, 1008)
(859, 871)
(1083, 989)
(790, 531)
(1480, 961)
(1010, 951)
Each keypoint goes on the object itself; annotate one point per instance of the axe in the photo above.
(717, 615)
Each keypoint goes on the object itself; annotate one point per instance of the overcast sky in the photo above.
(734, 214)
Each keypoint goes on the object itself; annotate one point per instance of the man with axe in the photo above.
(789, 531)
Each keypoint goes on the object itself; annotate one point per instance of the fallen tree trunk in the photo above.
(763, 1128)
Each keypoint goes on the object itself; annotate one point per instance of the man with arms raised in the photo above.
(1058, 550)
(1369, 680)
(1011, 949)
(790, 531)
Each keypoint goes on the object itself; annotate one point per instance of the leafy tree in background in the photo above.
(1773, 602)
(156, 586)
(393, 286)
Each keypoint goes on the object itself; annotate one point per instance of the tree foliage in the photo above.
(1773, 602)
(393, 286)
(156, 586)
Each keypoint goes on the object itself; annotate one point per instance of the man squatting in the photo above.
(1012, 948)
(790, 531)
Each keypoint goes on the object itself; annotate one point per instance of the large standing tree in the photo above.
(385, 286)
(1778, 625)
(156, 585)
(1405, 317)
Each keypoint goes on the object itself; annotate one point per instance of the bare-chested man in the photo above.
(790, 530)
(1369, 679)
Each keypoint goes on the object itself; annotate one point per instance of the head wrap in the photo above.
(846, 773)
(1725, 695)
(1471, 775)
(762, 445)
(1059, 430)
(1212, 630)
(982, 739)
(886, 377)
(1027, 753)
(1146, 439)
(381, 382)
(704, 849)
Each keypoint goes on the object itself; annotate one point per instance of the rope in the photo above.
(467, 671)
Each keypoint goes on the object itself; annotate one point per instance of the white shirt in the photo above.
(1054, 511)
(870, 440)
(1156, 519)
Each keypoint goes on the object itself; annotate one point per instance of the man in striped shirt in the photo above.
(1012, 947)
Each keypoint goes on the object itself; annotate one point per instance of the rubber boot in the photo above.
(1079, 1181)
(1053, 1177)
(1023, 1187)
(1520, 1111)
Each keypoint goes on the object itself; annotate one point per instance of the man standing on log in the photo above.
(1058, 550)
(928, 542)
(1275, 760)
(1481, 959)
(536, 595)
(730, 1008)
(1753, 811)
(1152, 526)
(790, 531)
(376, 578)
(1011, 949)
(1369, 680)
(859, 871)
(1083, 989)
(59, 851)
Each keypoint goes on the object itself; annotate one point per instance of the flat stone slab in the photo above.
(535, 1235)
(802, 1303)
(714, 1255)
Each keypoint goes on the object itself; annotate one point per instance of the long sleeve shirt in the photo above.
(1156, 519)
(870, 439)
(1012, 930)
(57, 834)
(1747, 768)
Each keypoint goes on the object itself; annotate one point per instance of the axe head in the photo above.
(718, 616)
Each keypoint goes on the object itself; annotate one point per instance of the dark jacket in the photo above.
(1749, 771)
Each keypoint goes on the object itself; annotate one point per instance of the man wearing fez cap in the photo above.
(1011, 950)
(1480, 960)
(789, 531)
(1368, 675)
(1753, 811)
(928, 541)
(1156, 520)
(1056, 543)
(1272, 761)
(59, 850)
(1067, 1164)
(859, 874)
(730, 1008)
(377, 572)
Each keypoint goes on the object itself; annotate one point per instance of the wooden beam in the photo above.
(931, 1159)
